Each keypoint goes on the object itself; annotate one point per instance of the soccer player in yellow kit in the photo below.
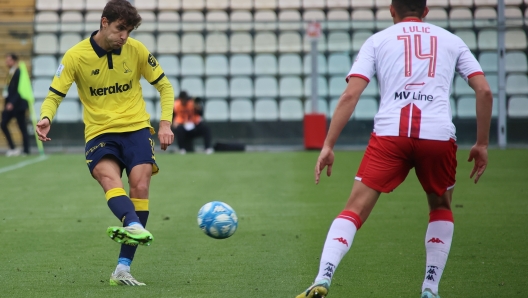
(107, 68)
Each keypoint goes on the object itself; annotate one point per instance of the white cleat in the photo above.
(124, 278)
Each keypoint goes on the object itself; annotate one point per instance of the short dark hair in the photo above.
(409, 8)
(183, 95)
(121, 10)
(13, 56)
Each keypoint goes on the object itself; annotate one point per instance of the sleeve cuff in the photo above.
(476, 73)
(357, 76)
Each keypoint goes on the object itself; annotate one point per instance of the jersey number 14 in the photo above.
(407, 43)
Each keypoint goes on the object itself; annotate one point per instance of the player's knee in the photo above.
(139, 189)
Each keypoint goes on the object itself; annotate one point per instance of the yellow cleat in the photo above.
(318, 290)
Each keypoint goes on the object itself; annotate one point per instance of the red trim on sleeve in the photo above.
(441, 215)
(351, 216)
(357, 76)
(476, 73)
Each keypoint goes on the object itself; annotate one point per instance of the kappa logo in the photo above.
(435, 240)
(342, 240)
(95, 72)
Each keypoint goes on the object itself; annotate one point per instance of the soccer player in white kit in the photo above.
(415, 64)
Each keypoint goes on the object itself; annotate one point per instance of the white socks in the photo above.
(437, 245)
(338, 242)
(121, 267)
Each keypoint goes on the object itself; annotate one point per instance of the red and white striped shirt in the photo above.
(415, 63)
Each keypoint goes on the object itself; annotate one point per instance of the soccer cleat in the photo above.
(318, 290)
(427, 293)
(131, 235)
(124, 278)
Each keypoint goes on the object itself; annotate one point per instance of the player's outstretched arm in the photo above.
(484, 104)
(43, 128)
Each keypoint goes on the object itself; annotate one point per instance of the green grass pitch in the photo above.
(54, 215)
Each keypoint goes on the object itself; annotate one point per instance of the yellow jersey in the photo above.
(108, 86)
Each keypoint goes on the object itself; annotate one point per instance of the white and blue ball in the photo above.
(217, 220)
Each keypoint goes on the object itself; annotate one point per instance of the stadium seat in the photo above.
(44, 65)
(488, 61)
(366, 108)
(192, 65)
(515, 39)
(241, 110)
(48, 5)
(95, 5)
(78, 5)
(216, 87)
(241, 87)
(216, 43)
(192, 21)
(460, 17)
(321, 43)
(383, 19)
(290, 64)
(169, 4)
(241, 4)
(518, 107)
(382, 4)
(69, 111)
(216, 4)
(339, 63)
(437, 16)
(92, 21)
(314, 15)
(363, 3)
(265, 4)
(41, 87)
(192, 43)
(168, 21)
(170, 64)
(493, 81)
(265, 42)
(468, 37)
(241, 43)
(437, 3)
(338, 41)
(513, 16)
(193, 4)
(216, 65)
(487, 39)
(241, 20)
(313, 4)
(216, 110)
(68, 40)
(46, 21)
(516, 62)
(265, 20)
(289, 20)
(283, 4)
(363, 19)
(322, 106)
(148, 40)
(337, 3)
(72, 21)
(517, 84)
(466, 107)
(241, 65)
(149, 22)
(465, 3)
(265, 64)
(216, 20)
(337, 85)
(168, 43)
(462, 87)
(338, 19)
(290, 109)
(290, 42)
(290, 86)
(144, 5)
(359, 38)
(193, 86)
(322, 87)
(266, 87)
(149, 91)
(266, 109)
(321, 64)
(485, 17)
(175, 85)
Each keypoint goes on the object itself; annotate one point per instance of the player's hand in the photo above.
(479, 153)
(43, 128)
(326, 158)
(165, 135)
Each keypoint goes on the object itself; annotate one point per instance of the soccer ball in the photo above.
(217, 220)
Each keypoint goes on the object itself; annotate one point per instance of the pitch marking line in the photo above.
(22, 164)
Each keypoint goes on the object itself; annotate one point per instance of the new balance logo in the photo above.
(435, 240)
(111, 89)
(342, 240)
(95, 72)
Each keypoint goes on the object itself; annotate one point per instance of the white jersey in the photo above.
(415, 63)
